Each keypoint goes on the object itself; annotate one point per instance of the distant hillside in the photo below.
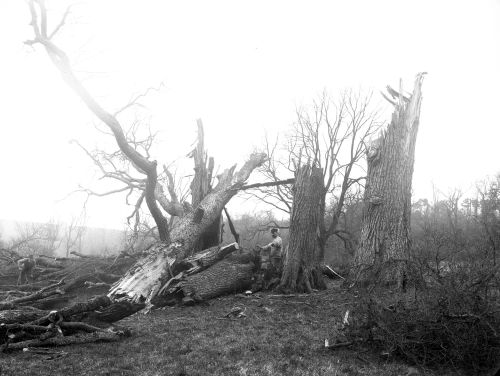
(93, 240)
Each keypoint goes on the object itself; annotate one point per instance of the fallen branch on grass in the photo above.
(41, 294)
(100, 336)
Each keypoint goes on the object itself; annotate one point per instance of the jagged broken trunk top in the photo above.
(385, 234)
(144, 280)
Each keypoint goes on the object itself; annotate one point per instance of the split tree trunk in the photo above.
(144, 280)
(385, 234)
(302, 269)
(202, 186)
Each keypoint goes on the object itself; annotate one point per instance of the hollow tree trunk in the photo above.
(143, 281)
(385, 234)
(302, 269)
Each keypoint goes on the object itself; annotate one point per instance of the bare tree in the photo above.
(41, 239)
(73, 234)
(145, 279)
(333, 137)
(330, 137)
(487, 214)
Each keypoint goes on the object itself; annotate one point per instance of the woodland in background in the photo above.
(422, 287)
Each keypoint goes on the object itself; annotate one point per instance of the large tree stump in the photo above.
(201, 186)
(385, 234)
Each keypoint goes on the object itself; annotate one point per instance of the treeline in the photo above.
(448, 231)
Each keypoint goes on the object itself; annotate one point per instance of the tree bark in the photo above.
(143, 281)
(222, 278)
(385, 235)
(201, 186)
(302, 269)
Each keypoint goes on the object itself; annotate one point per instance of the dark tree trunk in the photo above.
(302, 269)
(382, 255)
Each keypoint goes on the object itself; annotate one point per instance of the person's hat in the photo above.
(275, 230)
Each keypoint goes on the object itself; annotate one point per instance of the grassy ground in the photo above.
(278, 336)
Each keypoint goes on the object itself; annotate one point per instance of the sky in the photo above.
(242, 67)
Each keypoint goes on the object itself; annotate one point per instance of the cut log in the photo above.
(52, 301)
(21, 315)
(49, 263)
(97, 302)
(223, 278)
(91, 277)
(27, 299)
(78, 254)
(113, 313)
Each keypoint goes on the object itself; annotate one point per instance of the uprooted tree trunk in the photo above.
(302, 270)
(382, 255)
(203, 276)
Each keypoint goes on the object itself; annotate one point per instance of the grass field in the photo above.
(277, 336)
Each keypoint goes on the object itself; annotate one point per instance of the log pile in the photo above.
(73, 273)
(31, 315)
(26, 319)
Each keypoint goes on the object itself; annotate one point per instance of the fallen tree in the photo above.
(169, 271)
(143, 281)
(167, 274)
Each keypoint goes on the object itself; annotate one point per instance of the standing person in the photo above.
(25, 266)
(272, 255)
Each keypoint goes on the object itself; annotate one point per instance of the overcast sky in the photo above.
(243, 67)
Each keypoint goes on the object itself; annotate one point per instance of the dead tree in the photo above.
(73, 234)
(385, 236)
(148, 275)
(143, 164)
(302, 270)
(163, 261)
(332, 136)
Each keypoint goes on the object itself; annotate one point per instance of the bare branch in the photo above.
(268, 184)
(61, 62)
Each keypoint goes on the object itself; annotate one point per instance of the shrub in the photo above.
(454, 324)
